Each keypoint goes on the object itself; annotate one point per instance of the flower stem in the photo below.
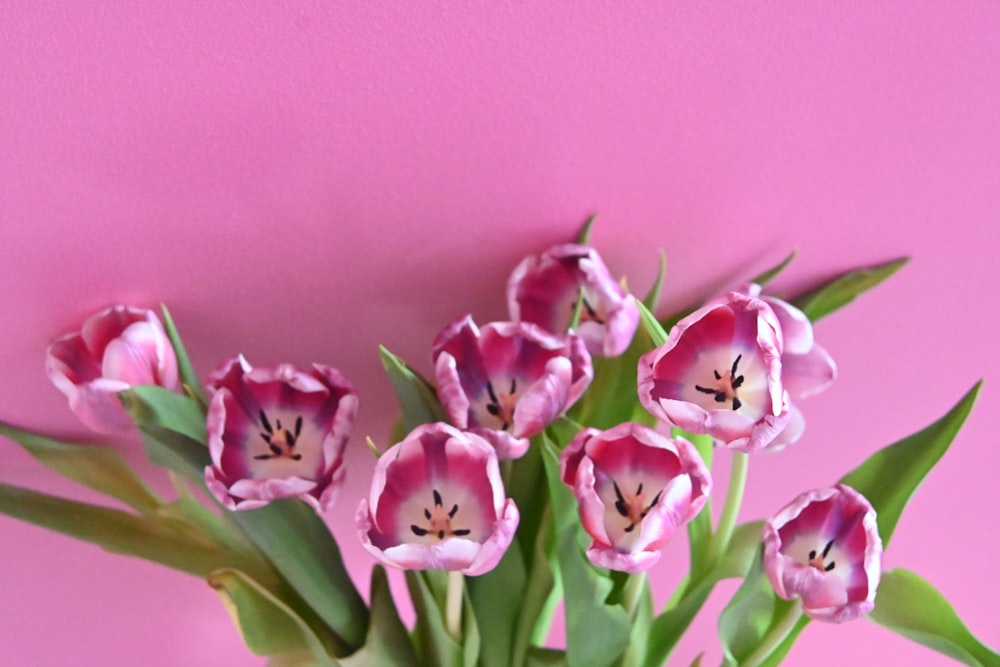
(775, 636)
(453, 604)
(734, 498)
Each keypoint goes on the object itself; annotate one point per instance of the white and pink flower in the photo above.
(116, 349)
(635, 487)
(824, 547)
(437, 502)
(277, 433)
(719, 373)
(545, 289)
(508, 381)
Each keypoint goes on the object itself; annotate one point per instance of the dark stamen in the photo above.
(461, 532)
(427, 513)
(704, 390)
(493, 395)
(717, 376)
(493, 409)
(440, 534)
(437, 499)
(738, 382)
(263, 420)
(262, 457)
(620, 504)
(266, 436)
(812, 555)
(829, 567)
(417, 530)
(513, 386)
(451, 514)
(735, 364)
(720, 397)
(826, 549)
(275, 449)
(736, 403)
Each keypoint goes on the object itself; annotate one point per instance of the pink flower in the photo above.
(720, 373)
(806, 368)
(635, 488)
(544, 290)
(277, 433)
(825, 548)
(437, 502)
(118, 348)
(508, 381)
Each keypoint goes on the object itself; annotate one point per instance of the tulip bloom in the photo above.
(635, 488)
(437, 502)
(806, 367)
(118, 348)
(720, 373)
(825, 548)
(544, 290)
(277, 433)
(508, 381)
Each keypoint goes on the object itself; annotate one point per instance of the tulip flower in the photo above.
(719, 373)
(508, 381)
(635, 488)
(437, 502)
(116, 349)
(544, 290)
(806, 367)
(277, 433)
(824, 547)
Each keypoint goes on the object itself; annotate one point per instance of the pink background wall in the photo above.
(301, 180)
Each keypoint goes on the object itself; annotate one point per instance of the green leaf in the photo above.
(750, 613)
(436, 646)
(780, 651)
(497, 597)
(417, 398)
(596, 633)
(890, 476)
(583, 237)
(546, 657)
(769, 275)
(699, 529)
(652, 299)
(656, 332)
(912, 607)
(152, 406)
(302, 549)
(183, 548)
(388, 641)
(186, 370)
(739, 555)
(99, 468)
(267, 624)
(843, 289)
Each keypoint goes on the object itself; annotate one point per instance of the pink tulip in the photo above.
(437, 502)
(544, 290)
(118, 348)
(277, 433)
(508, 381)
(635, 488)
(719, 373)
(825, 548)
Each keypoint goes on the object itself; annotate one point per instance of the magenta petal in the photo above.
(809, 373)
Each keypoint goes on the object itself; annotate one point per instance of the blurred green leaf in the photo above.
(843, 289)
(912, 607)
(583, 237)
(497, 597)
(751, 612)
(699, 529)
(152, 406)
(417, 398)
(268, 625)
(769, 275)
(304, 551)
(545, 657)
(186, 370)
(778, 654)
(596, 633)
(611, 398)
(388, 641)
(99, 468)
(890, 476)
(656, 332)
(652, 298)
(739, 555)
(435, 645)
(178, 453)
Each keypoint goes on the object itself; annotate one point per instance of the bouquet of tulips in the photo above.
(551, 458)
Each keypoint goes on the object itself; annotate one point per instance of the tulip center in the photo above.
(280, 440)
(724, 385)
(633, 506)
(818, 560)
(438, 521)
(502, 405)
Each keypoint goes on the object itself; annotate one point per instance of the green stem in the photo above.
(775, 636)
(453, 604)
(730, 511)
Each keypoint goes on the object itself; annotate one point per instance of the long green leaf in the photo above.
(184, 366)
(750, 613)
(890, 476)
(652, 298)
(302, 549)
(99, 468)
(267, 624)
(769, 275)
(497, 597)
(416, 396)
(150, 405)
(845, 288)
(657, 334)
(436, 646)
(178, 453)
(583, 236)
(912, 607)
(388, 641)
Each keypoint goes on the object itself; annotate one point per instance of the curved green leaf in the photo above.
(388, 641)
(912, 607)
(652, 298)
(890, 476)
(436, 646)
(153, 406)
(583, 237)
(417, 398)
(769, 275)
(657, 334)
(186, 370)
(845, 288)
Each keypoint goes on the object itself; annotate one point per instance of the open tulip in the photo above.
(825, 548)
(277, 433)
(437, 502)
(544, 290)
(118, 348)
(635, 487)
(719, 373)
(509, 380)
